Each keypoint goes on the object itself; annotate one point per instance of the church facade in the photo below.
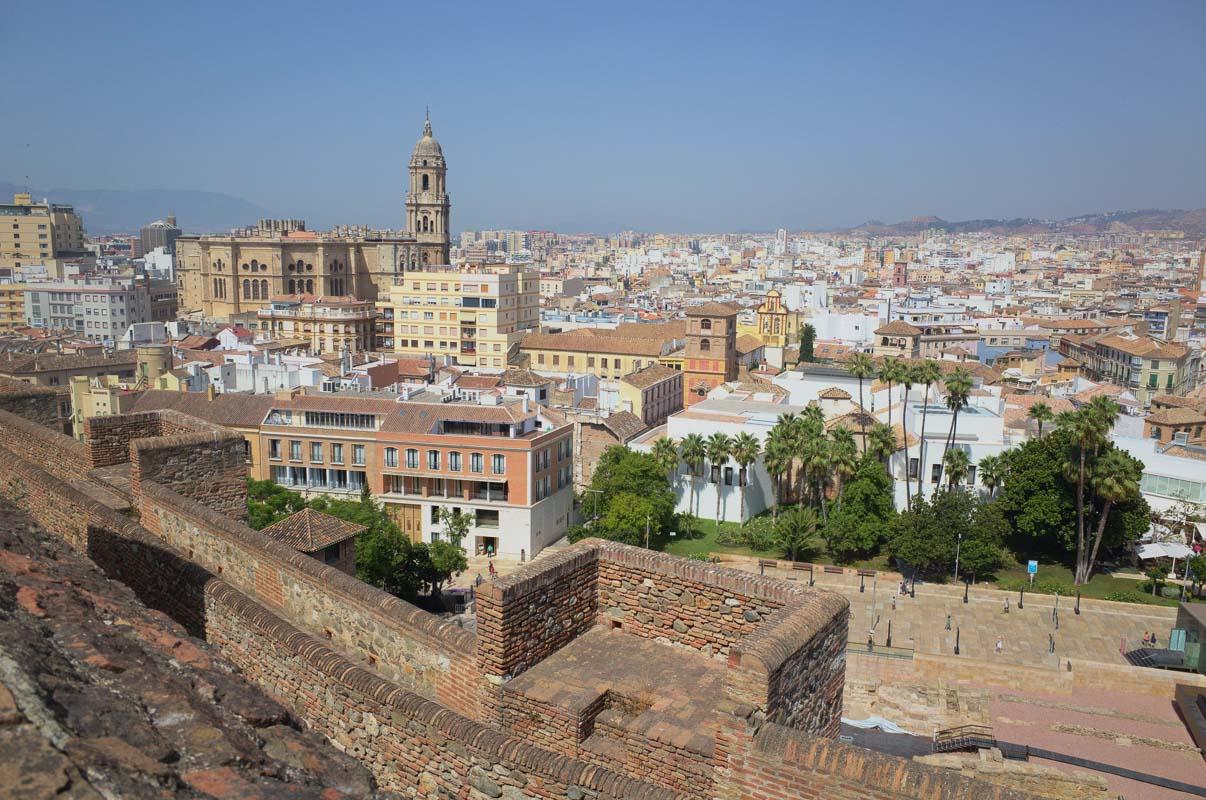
(233, 275)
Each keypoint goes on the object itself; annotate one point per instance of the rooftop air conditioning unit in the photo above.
(1181, 437)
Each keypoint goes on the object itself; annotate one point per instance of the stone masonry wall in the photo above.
(646, 755)
(405, 644)
(57, 453)
(38, 404)
(704, 607)
(411, 744)
(526, 616)
(108, 438)
(794, 666)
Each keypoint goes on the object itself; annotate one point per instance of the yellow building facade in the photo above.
(33, 233)
(476, 313)
(12, 307)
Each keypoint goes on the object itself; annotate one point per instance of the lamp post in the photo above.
(958, 546)
(647, 531)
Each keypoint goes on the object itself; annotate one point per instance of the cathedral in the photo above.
(229, 277)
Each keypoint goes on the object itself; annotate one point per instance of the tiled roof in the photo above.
(477, 381)
(1176, 416)
(50, 362)
(578, 342)
(834, 393)
(1143, 346)
(309, 531)
(644, 378)
(748, 343)
(523, 378)
(897, 327)
(230, 410)
(624, 424)
(712, 310)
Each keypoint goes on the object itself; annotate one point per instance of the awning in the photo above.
(1164, 550)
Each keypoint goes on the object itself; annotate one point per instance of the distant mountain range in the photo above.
(1193, 223)
(111, 211)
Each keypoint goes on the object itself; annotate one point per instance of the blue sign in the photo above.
(1032, 568)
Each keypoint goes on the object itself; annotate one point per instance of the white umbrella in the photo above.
(1164, 550)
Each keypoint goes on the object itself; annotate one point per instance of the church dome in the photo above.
(427, 146)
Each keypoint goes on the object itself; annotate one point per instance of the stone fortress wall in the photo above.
(420, 701)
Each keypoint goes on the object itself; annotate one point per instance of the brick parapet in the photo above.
(406, 644)
(38, 404)
(325, 688)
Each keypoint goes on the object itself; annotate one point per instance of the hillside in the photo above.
(1192, 222)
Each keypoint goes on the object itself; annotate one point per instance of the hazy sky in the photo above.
(650, 115)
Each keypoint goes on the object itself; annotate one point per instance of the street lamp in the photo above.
(958, 546)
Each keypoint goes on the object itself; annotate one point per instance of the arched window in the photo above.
(309, 286)
(705, 324)
(246, 288)
(425, 259)
(705, 345)
(264, 289)
(391, 456)
(292, 286)
(255, 290)
(255, 265)
(425, 184)
(215, 287)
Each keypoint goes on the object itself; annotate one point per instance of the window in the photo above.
(476, 462)
(705, 345)
(590, 361)
(337, 454)
(316, 452)
(433, 459)
(914, 465)
(935, 473)
(358, 455)
(728, 476)
(391, 456)
(274, 448)
(295, 451)
(705, 325)
(454, 462)
(412, 458)
(498, 463)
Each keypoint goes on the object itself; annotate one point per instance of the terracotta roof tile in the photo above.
(309, 531)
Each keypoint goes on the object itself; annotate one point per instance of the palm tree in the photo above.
(992, 473)
(745, 450)
(1041, 413)
(1082, 430)
(809, 427)
(777, 457)
(1115, 480)
(892, 370)
(928, 373)
(908, 374)
(795, 530)
(861, 367)
(1104, 413)
(665, 454)
(958, 389)
(843, 457)
(693, 451)
(882, 444)
(815, 464)
(718, 447)
(956, 463)
(784, 433)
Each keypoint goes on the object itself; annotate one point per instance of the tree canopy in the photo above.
(628, 486)
(864, 513)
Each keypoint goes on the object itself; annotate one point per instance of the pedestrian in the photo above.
(1153, 639)
(893, 602)
(478, 580)
(1000, 644)
(948, 622)
(1006, 605)
(1146, 638)
(493, 571)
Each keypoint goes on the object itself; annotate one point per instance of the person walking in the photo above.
(493, 571)
(1006, 605)
(1000, 644)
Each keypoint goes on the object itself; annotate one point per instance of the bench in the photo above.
(835, 570)
(867, 573)
(767, 562)
(801, 566)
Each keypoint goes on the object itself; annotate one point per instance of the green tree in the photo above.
(956, 463)
(454, 525)
(620, 475)
(627, 517)
(1115, 479)
(777, 457)
(1041, 413)
(268, 503)
(666, 455)
(816, 463)
(927, 373)
(1197, 571)
(928, 536)
(444, 560)
(992, 472)
(958, 389)
(861, 521)
(808, 338)
(843, 456)
(892, 371)
(693, 451)
(861, 367)
(745, 449)
(718, 447)
(908, 375)
(1087, 428)
(881, 444)
(796, 531)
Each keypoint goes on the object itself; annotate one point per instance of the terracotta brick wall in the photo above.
(57, 453)
(108, 438)
(405, 644)
(526, 616)
(410, 743)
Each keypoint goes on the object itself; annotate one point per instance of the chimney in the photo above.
(525, 404)
(210, 393)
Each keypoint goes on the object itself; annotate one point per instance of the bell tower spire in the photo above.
(428, 207)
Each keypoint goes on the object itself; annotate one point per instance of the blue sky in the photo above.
(654, 116)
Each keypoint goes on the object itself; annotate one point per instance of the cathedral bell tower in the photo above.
(427, 204)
